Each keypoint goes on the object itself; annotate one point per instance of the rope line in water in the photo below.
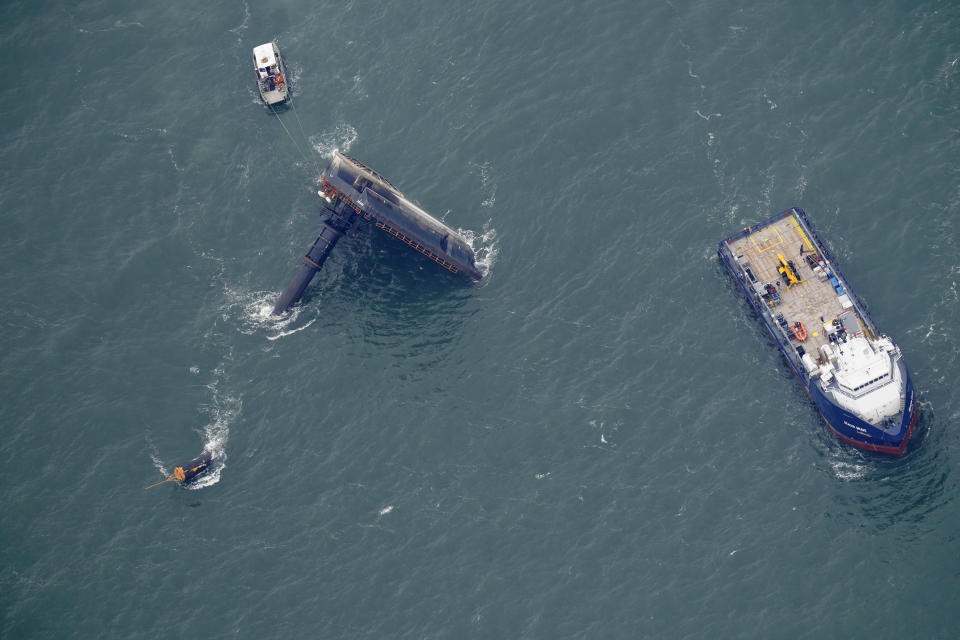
(156, 484)
(306, 140)
(296, 146)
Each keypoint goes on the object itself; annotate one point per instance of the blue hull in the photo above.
(858, 432)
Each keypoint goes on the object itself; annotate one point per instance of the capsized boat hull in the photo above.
(353, 192)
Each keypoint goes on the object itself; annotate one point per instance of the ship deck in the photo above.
(273, 96)
(807, 302)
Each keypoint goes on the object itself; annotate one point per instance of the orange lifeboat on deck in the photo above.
(800, 331)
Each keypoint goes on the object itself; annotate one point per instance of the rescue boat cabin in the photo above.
(270, 72)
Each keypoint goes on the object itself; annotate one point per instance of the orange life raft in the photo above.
(800, 331)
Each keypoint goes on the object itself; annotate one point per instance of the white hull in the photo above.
(270, 73)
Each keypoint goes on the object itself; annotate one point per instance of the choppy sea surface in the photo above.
(598, 441)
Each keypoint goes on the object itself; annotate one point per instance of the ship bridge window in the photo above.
(867, 384)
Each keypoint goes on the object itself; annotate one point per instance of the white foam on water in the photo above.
(770, 102)
(284, 334)
(253, 311)
(848, 470)
(158, 464)
(340, 139)
(484, 246)
(223, 410)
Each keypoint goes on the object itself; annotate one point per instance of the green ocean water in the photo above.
(598, 441)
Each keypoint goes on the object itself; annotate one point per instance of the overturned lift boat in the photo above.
(354, 191)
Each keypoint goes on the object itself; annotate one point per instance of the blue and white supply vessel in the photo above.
(854, 374)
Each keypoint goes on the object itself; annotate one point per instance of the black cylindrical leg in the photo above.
(312, 263)
(295, 289)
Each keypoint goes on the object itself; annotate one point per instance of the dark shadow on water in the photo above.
(385, 277)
